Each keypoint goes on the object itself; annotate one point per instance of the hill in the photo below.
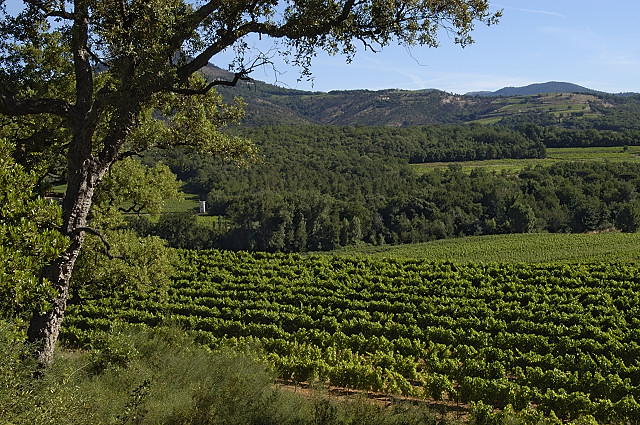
(268, 104)
(546, 104)
(539, 88)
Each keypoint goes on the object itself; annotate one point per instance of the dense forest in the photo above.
(318, 188)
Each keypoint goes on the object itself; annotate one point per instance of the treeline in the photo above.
(431, 143)
(318, 188)
(563, 198)
(319, 158)
(557, 137)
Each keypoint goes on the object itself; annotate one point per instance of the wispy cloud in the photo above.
(541, 12)
(413, 74)
(461, 83)
(589, 46)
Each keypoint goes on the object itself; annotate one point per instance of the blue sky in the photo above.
(591, 43)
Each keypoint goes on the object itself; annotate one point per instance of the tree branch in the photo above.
(227, 37)
(50, 12)
(11, 106)
(136, 209)
(104, 240)
(82, 67)
(203, 58)
(242, 75)
(128, 154)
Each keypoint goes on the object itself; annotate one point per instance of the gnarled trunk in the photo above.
(44, 328)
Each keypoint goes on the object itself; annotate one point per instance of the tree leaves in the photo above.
(28, 239)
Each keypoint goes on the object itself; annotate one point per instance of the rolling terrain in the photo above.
(509, 328)
(268, 104)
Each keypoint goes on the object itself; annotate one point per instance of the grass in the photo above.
(190, 203)
(487, 121)
(616, 154)
(142, 376)
(497, 165)
(516, 248)
(554, 156)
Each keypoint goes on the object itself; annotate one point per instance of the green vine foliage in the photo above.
(551, 340)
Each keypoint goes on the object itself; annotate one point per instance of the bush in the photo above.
(50, 399)
(143, 376)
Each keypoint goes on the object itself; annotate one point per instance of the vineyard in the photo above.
(514, 248)
(554, 156)
(544, 339)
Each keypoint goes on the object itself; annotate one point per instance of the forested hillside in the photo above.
(348, 178)
(318, 188)
(566, 105)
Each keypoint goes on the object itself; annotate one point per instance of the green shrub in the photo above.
(142, 376)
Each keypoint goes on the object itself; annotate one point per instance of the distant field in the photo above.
(616, 153)
(558, 104)
(516, 248)
(190, 203)
(554, 155)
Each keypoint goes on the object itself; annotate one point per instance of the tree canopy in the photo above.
(85, 83)
(317, 188)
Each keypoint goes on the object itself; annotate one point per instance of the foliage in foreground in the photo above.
(162, 377)
(28, 239)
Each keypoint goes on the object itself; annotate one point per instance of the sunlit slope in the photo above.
(516, 248)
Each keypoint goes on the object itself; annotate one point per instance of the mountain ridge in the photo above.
(529, 89)
(537, 88)
(552, 102)
(540, 88)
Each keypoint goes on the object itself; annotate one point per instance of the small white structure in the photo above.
(203, 207)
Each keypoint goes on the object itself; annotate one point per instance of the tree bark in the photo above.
(44, 327)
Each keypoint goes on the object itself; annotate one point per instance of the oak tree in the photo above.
(92, 81)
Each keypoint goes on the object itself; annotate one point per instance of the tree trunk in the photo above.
(44, 327)
(85, 171)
